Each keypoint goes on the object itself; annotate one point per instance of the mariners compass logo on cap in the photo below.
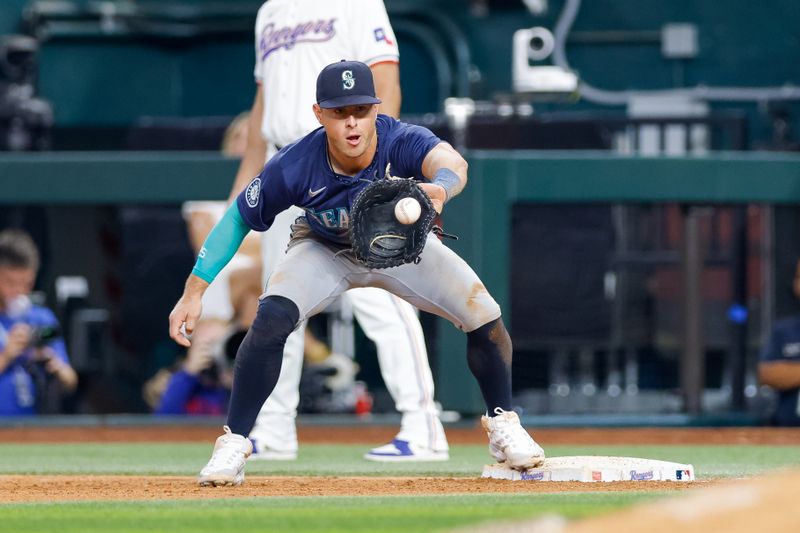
(348, 81)
(345, 83)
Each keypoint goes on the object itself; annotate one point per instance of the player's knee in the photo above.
(493, 332)
(276, 318)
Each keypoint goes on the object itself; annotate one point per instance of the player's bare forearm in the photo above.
(187, 310)
(249, 168)
(437, 195)
(446, 169)
(256, 152)
(387, 87)
(780, 375)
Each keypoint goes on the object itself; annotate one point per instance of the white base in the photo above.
(590, 468)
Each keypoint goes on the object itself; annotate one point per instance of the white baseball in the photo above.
(407, 211)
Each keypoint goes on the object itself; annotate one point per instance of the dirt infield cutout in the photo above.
(20, 489)
(50, 488)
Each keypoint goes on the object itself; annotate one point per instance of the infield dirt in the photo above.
(32, 488)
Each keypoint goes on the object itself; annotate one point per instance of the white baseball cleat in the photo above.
(401, 451)
(226, 466)
(509, 443)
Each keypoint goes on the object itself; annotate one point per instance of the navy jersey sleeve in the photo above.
(409, 147)
(266, 196)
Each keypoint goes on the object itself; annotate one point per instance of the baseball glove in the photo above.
(378, 239)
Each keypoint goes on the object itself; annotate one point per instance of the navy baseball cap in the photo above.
(345, 83)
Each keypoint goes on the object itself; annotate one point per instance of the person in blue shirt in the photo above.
(30, 342)
(202, 383)
(779, 365)
(323, 173)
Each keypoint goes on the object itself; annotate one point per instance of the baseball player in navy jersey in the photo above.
(295, 39)
(335, 162)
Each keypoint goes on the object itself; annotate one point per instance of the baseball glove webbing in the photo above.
(377, 238)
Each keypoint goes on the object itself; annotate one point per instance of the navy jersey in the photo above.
(784, 345)
(300, 175)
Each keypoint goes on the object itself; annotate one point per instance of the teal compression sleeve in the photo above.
(221, 244)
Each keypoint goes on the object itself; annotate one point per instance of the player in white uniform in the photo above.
(295, 39)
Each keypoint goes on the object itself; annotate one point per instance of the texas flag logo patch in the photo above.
(380, 35)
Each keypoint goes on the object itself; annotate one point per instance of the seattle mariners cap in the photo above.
(345, 83)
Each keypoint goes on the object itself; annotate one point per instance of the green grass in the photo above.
(334, 460)
(307, 514)
(399, 513)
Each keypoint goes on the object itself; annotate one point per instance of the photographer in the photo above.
(201, 386)
(30, 344)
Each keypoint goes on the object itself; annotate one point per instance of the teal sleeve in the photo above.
(221, 244)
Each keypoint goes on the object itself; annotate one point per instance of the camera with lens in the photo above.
(224, 359)
(41, 336)
(25, 120)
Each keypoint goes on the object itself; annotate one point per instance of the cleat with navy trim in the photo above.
(262, 452)
(404, 451)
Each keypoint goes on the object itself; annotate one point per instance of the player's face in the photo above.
(350, 131)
